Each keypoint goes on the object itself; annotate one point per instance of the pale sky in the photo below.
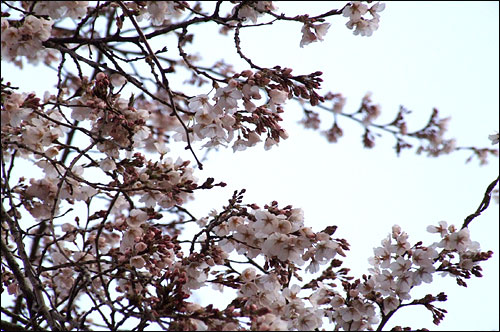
(424, 55)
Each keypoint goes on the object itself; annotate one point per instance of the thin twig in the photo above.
(483, 205)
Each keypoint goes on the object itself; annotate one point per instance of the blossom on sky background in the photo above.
(494, 138)
(363, 26)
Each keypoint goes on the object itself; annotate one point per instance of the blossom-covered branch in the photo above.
(104, 239)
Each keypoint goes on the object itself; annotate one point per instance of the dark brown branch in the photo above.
(483, 205)
(164, 83)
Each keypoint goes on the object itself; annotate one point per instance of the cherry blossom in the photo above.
(60, 9)
(25, 40)
(355, 11)
(312, 33)
(104, 140)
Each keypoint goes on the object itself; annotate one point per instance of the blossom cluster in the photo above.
(233, 110)
(25, 38)
(287, 311)
(363, 26)
(110, 117)
(313, 32)
(251, 10)
(278, 233)
(434, 132)
(398, 266)
(158, 12)
(165, 184)
(61, 9)
(32, 130)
